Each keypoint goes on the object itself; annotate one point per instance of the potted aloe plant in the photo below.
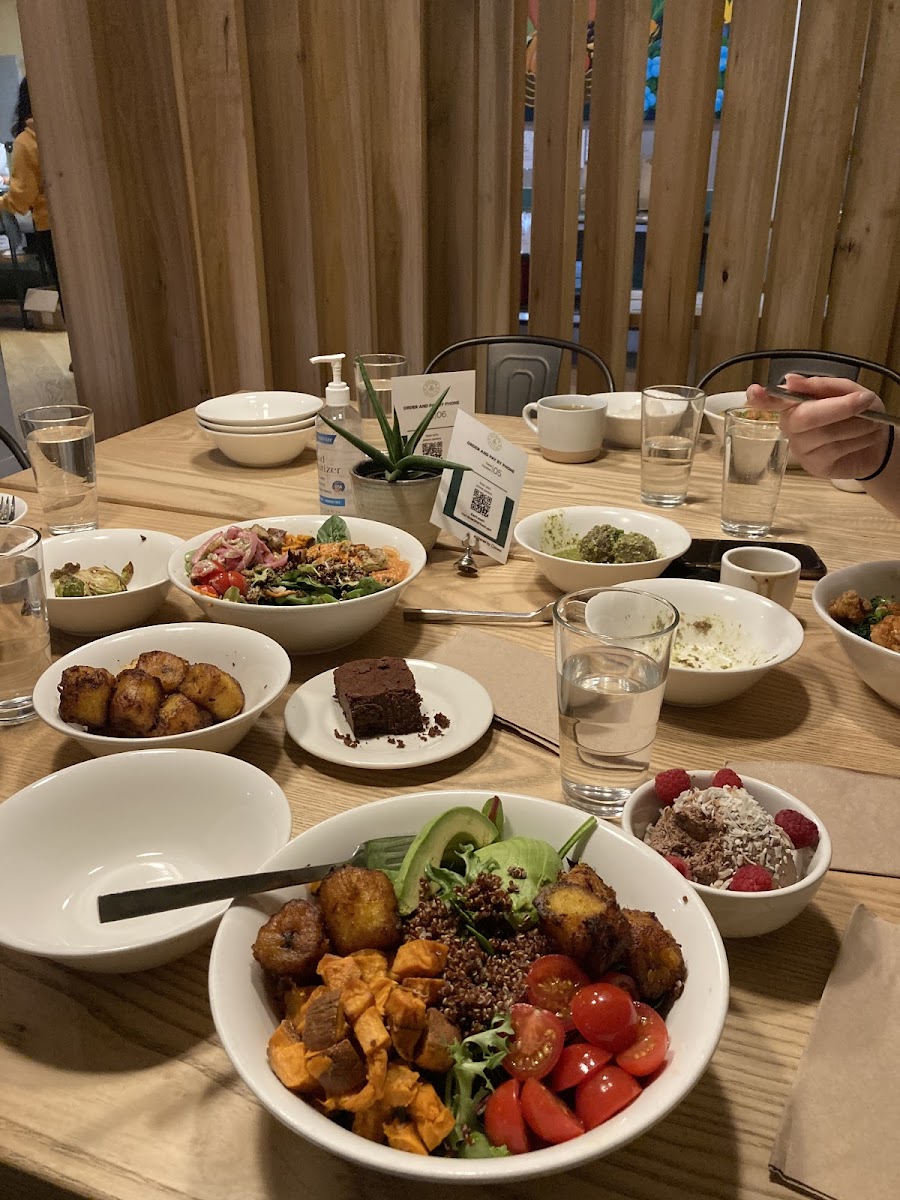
(396, 485)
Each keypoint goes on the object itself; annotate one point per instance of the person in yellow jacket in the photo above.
(26, 182)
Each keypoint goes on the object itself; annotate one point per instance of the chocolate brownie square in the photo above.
(378, 696)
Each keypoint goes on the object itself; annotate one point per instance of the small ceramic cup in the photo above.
(773, 574)
(569, 428)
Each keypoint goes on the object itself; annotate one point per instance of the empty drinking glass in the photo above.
(612, 660)
(382, 369)
(670, 425)
(756, 454)
(60, 442)
(24, 632)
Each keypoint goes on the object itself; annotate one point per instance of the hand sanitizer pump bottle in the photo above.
(335, 456)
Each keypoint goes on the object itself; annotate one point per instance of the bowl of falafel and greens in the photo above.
(585, 546)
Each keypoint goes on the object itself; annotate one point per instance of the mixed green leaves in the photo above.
(469, 1084)
(303, 585)
(333, 530)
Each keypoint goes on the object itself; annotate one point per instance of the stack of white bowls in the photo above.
(260, 429)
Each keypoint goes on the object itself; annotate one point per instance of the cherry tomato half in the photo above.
(205, 590)
(221, 581)
(605, 1015)
(547, 1115)
(536, 1044)
(605, 1094)
(648, 1053)
(552, 982)
(621, 980)
(577, 1063)
(503, 1120)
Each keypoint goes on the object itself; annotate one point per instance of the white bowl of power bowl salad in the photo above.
(726, 641)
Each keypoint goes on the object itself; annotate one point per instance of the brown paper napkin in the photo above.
(838, 1135)
(860, 811)
(520, 682)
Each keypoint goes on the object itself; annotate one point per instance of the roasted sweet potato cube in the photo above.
(370, 1094)
(402, 1135)
(371, 1032)
(431, 990)
(324, 1022)
(360, 910)
(338, 1069)
(295, 1002)
(381, 990)
(288, 1059)
(433, 1051)
(419, 957)
(357, 998)
(372, 964)
(400, 1086)
(369, 1122)
(337, 971)
(433, 1120)
(405, 1017)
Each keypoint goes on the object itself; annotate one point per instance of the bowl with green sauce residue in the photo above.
(586, 546)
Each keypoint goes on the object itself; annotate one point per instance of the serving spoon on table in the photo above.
(469, 616)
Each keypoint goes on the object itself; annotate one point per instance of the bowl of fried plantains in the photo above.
(194, 685)
(342, 1007)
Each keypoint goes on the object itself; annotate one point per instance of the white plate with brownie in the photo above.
(388, 713)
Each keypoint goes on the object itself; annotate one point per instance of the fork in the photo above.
(465, 616)
(7, 508)
(383, 854)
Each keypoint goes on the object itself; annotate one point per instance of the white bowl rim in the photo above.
(25, 796)
(748, 781)
(513, 1167)
(676, 531)
(256, 430)
(184, 584)
(53, 719)
(835, 626)
(793, 624)
(174, 540)
(306, 404)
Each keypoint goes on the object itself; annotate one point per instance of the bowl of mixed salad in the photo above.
(495, 989)
(311, 583)
(861, 607)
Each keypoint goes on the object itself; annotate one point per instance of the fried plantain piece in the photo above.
(177, 714)
(653, 958)
(587, 926)
(292, 941)
(135, 703)
(168, 668)
(360, 910)
(84, 696)
(213, 689)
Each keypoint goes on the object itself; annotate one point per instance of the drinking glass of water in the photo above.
(670, 425)
(612, 660)
(60, 442)
(756, 454)
(24, 632)
(382, 370)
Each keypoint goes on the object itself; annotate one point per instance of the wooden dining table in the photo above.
(116, 1087)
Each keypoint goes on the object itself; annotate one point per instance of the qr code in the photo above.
(432, 449)
(481, 502)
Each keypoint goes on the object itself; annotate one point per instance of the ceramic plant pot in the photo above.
(406, 504)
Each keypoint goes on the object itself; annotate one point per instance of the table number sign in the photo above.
(413, 395)
(482, 501)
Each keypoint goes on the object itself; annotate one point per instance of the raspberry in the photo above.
(670, 784)
(799, 829)
(727, 778)
(751, 879)
(679, 864)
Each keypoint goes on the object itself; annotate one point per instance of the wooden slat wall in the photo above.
(63, 87)
(749, 143)
(212, 80)
(689, 64)
(830, 43)
(613, 177)
(559, 100)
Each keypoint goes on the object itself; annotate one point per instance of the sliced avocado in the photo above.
(437, 841)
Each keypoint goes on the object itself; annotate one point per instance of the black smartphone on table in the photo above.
(703, 558)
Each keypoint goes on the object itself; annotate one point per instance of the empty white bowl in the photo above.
(669, 538)
(741, 621)
(259, 408)
(90, 616)
(111, 824)
(259, 665)
(244, 1019)
(263, 449)
(741, 914)
(876, 666)
(308, 629)
(623, 419)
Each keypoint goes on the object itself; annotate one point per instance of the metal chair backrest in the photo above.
(804, 362)
(522, 368)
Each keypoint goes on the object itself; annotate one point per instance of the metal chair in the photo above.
(805, 362)
(522, 368)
